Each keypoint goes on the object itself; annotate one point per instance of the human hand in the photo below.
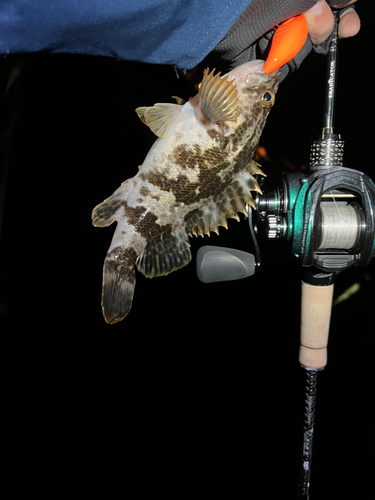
(320, 21)
(249, 37)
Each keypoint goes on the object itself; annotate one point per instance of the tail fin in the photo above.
(118, 271)
(118, 283)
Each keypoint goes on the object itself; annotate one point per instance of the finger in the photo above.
(320, 22)
(349, 24)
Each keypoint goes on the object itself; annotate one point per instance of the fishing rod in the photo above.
(328, 218)
(317, 287)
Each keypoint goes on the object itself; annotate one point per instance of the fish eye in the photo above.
(268, 98)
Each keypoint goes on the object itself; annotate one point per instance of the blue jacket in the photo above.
(177, 32)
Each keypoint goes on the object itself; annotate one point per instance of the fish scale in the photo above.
(198, 173)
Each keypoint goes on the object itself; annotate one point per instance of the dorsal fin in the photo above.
(227, 204)
(165, 256)
(218, 98)
(253, 168)
(159, 117)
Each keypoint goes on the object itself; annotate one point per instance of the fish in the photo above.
(198, 173)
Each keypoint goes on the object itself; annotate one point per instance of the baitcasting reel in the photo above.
(328, 216)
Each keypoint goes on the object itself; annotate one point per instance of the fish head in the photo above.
(256, 93)
(249, 77)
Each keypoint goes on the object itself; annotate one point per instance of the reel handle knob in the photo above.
(223, 264)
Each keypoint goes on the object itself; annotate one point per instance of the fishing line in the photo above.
(334, 201)
(253, 236)
(340, 225)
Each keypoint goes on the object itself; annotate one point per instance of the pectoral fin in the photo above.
(159, 117)
(141, 113)
(218, 98)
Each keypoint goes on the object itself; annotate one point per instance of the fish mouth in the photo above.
(273, 74)
(256, 66)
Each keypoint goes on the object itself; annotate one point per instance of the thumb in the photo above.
(320, 22)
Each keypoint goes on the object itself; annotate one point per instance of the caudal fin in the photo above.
(118, 284)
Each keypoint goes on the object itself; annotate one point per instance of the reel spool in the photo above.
(340, 226)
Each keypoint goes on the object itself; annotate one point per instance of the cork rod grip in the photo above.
(316, 305)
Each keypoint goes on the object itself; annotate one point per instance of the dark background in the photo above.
(198, 392)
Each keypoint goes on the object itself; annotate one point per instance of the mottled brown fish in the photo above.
(195, 176)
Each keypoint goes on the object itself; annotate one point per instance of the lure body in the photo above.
(287, 41)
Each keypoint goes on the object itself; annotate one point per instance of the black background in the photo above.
(198, 392)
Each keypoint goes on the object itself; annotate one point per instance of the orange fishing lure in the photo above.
(287, 41)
